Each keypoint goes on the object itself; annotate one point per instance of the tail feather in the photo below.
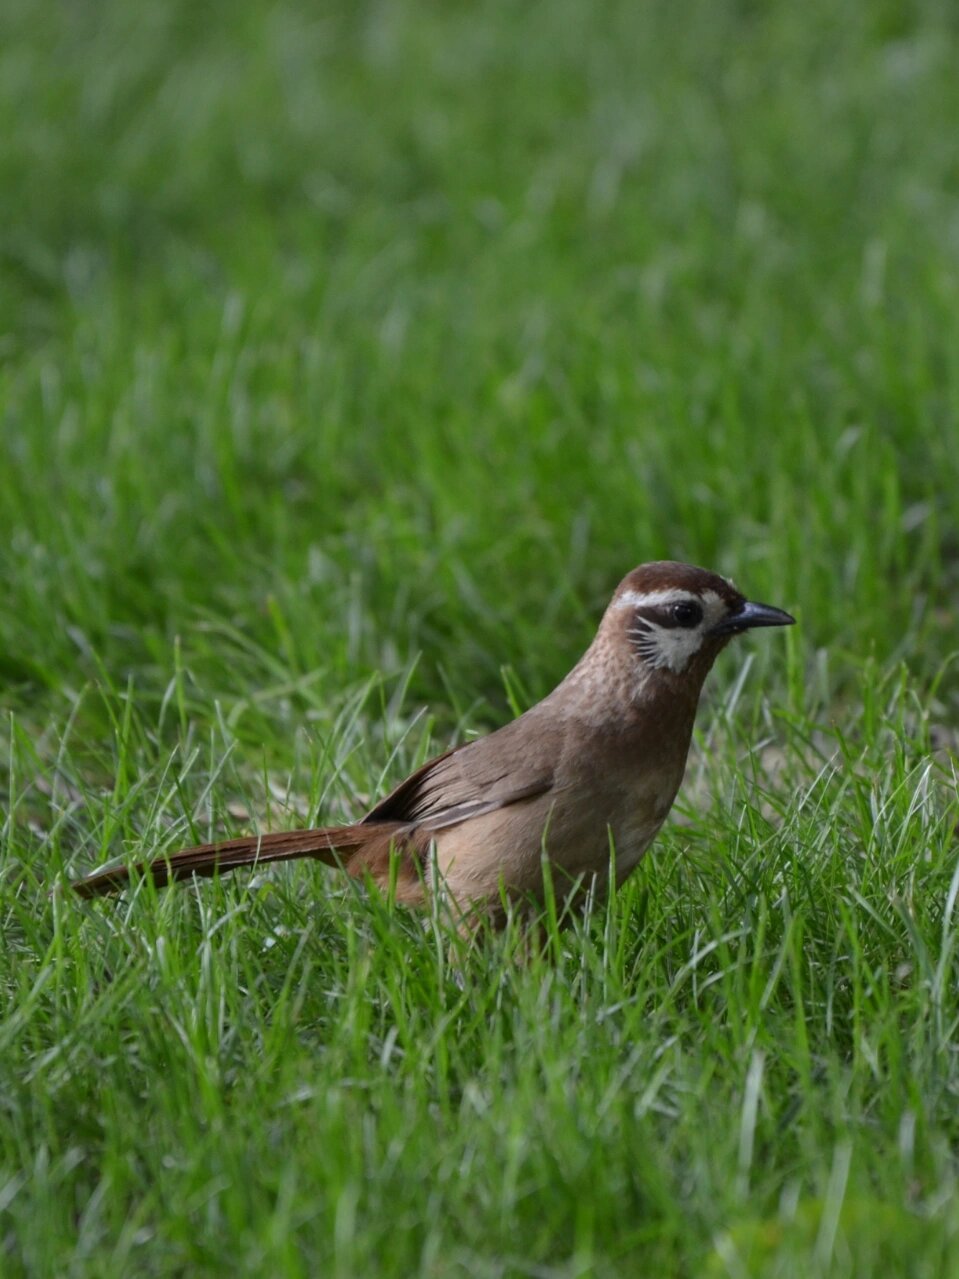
(324, 843)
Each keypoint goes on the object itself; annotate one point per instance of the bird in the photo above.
(582, 781)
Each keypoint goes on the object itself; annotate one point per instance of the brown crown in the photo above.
(670, 575)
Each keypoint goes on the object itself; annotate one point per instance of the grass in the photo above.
(348, 357)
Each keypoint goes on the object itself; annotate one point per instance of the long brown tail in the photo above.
(324, 843)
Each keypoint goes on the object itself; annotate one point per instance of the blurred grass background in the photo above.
(414, 306)
(366, 346)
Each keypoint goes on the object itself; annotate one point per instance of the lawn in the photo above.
(349, 355)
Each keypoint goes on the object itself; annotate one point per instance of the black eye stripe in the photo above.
(681, 615)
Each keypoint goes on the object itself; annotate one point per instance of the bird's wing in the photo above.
(480, 777)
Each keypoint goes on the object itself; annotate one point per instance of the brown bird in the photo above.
(593, 767)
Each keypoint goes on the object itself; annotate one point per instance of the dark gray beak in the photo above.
(751, 615)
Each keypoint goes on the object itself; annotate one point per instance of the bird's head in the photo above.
(675, 618)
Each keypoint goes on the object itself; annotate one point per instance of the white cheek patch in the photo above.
(670, 647)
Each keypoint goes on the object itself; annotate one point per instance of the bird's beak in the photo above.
(751, 615)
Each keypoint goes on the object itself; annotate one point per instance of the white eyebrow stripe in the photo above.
(638, 599)
(652, 599)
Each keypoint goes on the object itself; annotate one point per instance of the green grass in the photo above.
(349, 355)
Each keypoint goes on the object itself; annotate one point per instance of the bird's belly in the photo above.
(505, 849)
(632, 816)
(631, 842)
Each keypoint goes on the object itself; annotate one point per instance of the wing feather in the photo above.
(478, 777)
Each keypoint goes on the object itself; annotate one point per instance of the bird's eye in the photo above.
(687, 613)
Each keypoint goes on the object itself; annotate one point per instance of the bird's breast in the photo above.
(636, 815)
